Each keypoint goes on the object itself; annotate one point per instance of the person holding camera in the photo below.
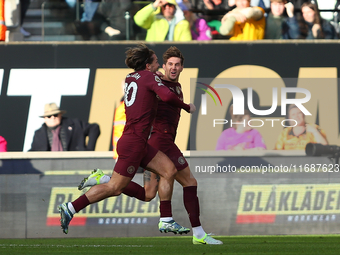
(300, 133)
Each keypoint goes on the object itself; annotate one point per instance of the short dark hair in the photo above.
(173, 51)
(137, 57)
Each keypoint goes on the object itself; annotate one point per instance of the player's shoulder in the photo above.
(142, 75)
(150, 75)
(145, 77)
(153, 78)
(134, 75)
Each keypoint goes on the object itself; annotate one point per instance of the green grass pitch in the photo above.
(240, 245)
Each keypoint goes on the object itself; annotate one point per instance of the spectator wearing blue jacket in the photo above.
(313, 26)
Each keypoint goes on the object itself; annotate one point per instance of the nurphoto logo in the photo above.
(204, 96)
(238, 99)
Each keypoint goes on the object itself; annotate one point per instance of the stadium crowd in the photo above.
(186, 20)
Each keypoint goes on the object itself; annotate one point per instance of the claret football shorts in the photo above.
(133, 152)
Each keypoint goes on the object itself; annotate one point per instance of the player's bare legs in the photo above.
(151, 181)
(164, 167)
(160, 164)
(185, 178)
(166, 170)
(114, 187)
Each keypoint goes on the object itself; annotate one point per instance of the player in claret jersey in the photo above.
(141, 90)
(163, 138)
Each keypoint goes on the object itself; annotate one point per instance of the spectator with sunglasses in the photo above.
(164, 21)
(60, 133)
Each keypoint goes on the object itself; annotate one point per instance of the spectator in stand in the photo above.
(240, 136)
(313, 26)
(3, 144)
(277, 25)
(244, 22)
(297, 6)
(300, 133)
(111, 18)
(64, 134)
(199, 28)
(164, 21)
(104, 16)
(213, 20)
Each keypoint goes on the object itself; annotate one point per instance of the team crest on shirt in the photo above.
(181, 160)
(178, 90)
(131, 169)
(159, 81)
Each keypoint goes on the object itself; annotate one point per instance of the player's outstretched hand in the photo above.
(192, 108)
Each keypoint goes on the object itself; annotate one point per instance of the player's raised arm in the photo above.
(171, 98)
(166, 95)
